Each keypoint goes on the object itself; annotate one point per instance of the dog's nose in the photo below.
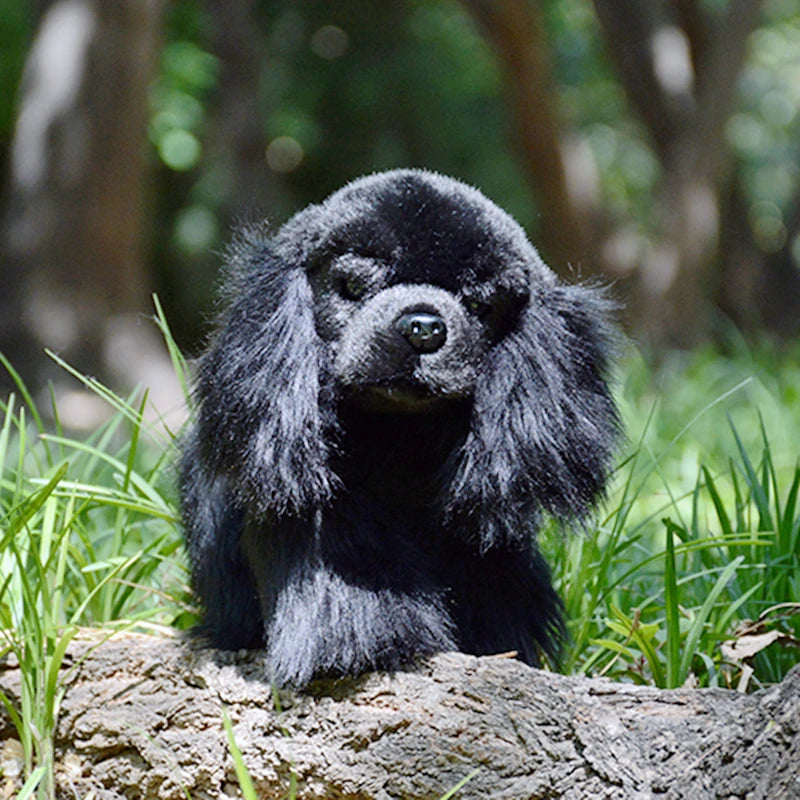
(425, 332)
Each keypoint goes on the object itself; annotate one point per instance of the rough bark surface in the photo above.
(142, 718)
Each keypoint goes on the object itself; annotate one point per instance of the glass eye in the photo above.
(352, 287)
(477, 307)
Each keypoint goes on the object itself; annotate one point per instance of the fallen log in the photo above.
(143, 718)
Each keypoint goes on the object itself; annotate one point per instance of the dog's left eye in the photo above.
(352, 287)
(477, 307)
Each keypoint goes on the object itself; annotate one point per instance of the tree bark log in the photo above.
(142, 717)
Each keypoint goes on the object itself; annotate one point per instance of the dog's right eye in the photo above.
(351, 287)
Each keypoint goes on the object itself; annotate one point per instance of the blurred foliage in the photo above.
(16, 29)
(421, 90)
(684, 395)
(356, 87)
(177, 109)
(765, 133)
(343, 91)
(349, 88)
(594, 104)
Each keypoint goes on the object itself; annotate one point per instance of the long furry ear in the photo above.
(544, 423)
(262, 388)
(221, 577)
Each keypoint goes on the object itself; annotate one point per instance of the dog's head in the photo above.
(415, 277)
(402, 292)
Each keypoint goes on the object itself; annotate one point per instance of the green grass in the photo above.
(89, 536)
(701, 531)
(699, 535)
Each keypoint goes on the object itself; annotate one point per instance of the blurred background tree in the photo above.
(655, 145)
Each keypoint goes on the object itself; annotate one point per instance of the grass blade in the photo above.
(671, 610)
(698, 624)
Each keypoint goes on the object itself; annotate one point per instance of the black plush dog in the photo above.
(399, 389)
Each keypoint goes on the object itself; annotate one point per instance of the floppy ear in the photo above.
(221, 577)
(544, 423)
(263, 389)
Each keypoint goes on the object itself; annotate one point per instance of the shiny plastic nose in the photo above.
(425, 332)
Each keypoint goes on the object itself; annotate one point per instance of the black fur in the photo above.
(399, 389)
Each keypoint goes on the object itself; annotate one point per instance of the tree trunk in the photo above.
(142, 717)
(516, 30)
(238, 132)
(680, 75)
(72, 234)
(678, 64)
